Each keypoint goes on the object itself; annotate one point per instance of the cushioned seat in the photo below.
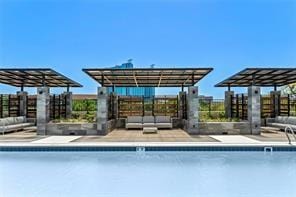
(149, 124)
(137, 122)
(164, 125)
(148, 121)
(134, 122)
(13, 127)
(282, 122)
(134, 125)
(278, 125)
(27, 124)
(13, 124)
(163, 122)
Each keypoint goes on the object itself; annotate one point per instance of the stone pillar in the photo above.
(23, 103)
(276, 96)
(192, 110)
(228, 103)
(181, 104)
(43, 98)
(254, 109)
(102, 111)
(68, 100)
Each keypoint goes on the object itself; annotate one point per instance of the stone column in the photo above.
(276, 96)
(192, 110)
(68, 100)
(23, 103)
(254, 109)
(43, 98)
(228, 103)
(102, 111)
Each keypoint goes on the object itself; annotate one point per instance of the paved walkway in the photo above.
(234, 139)
(136, 137)
(56, 140)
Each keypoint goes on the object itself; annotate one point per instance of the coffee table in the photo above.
(149, 129)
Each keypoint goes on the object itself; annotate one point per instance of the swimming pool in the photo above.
(132, 174)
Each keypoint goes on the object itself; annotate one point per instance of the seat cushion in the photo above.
(281, 119)
(164, 125)
(293, 127)
(2, 122)
(148, 119)
(28, 124)
(14, 127)
(10, 120)
(133, 125)
(134, 119)
(19, 119)
(162, 119)
(291, 120)
(149, 124)
(278, 125)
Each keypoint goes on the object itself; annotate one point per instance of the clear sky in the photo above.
(227, 35)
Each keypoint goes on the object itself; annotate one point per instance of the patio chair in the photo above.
(134, 122)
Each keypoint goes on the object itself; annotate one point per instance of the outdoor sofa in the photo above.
(139, 122)
(11, 124)
(281, 122)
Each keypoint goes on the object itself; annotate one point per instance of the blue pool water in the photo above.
(131, 174)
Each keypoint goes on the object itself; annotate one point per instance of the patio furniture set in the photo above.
(12, 124)
(149, 124)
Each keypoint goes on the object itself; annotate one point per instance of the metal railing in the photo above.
(287, 128)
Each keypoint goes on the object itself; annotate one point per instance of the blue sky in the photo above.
(227, 35)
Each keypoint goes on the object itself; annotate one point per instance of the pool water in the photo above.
(153, 174)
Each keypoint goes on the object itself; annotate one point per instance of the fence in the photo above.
(286, 103)
(57, 106)
(9, 105)
(239, 106)
(152, 106)
(31, 106)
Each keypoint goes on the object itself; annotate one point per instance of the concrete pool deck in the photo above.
(175, 137)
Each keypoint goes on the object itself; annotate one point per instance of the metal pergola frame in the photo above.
(147, 77)
(35, 77)
(263, 77)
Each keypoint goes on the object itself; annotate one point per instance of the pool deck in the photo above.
(136, 138)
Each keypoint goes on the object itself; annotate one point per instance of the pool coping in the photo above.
(149, 146)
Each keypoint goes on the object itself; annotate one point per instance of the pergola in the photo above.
(147, 77)
(254, 78)
(263, 77)
(43, 79)
(35, 77)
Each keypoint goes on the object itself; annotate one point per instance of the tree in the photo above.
(289, 89)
